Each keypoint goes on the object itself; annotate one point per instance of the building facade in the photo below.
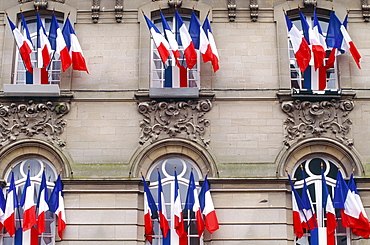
(246, 125)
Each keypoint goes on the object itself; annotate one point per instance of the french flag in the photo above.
(200, 38)
(28, 204)
(207, 208)
(10, 207)
(300, 46)
(311, 222)
(177, 212)
(163, 222)
(186, 42)
(211, 46)
(74, 47)
(23, 43)
(171, 38)
(351, 212)
(42, 205)
(43, 45)
(58, 43)
(2, 208)
(56, 205)
(150, 212)
(192, 204)
(327, 205)
(160, 41)
(298, 214)
(352, 186)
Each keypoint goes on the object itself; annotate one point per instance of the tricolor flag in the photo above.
(186, 42)
(43, 45)
(352, 186)
(163, 222)
(74, 47)
(28, 204)
(56, 205)
(171, 38)
(207, 208)
(351, 212)
(2, 208)
(192, 204)
(160, 41)
(177, 211)
(300, 46)
(58, 43)
(23, 43)
(150, 212)
(327, 205)
(298, 214)
(212, 45)
(200, 38)
(42, 205)
(10, 207)
(311, 222)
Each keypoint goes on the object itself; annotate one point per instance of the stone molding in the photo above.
(174, 119)
(308, 119)
(42, 121)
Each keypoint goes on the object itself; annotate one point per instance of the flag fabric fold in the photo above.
(186, 42)
(199, 38)
(327, 205)
(299, 218)
(192, 204)
(351, 213)
(163, 222)
(300, 46)
(177, 210)
(171, 38)
(74, 47)
(2, 208)
(150, 212)
(160, 41)
(10, 207)
(207, 207)
(43, 45)
(56, 205)
(58, 43)
(23, 43)
(310, 215)
(42, 205)
(211, 52)
(28, 204)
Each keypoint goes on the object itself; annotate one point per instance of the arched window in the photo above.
(312, 170)
(308, 81)
(20, 169)
(166, 167)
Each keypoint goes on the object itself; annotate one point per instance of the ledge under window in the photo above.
(32, 90)
(173, 93)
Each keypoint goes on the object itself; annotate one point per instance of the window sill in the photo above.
(32, 90)
(174, 93)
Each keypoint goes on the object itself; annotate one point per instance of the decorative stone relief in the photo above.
(317, 119)
(95, 9)
(174, 3)
(365, 10)
(174, 120)
(41, 121)
(253, 6)
(231, 7)
(118, 8)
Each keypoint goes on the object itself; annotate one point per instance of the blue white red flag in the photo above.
(177, 211)
(28, 204)
(207, 207)
(23, 43)
(56, 205)
(150, 212)
(10, 207)
(192, 204)
(352, 186)
(42, 205)
(300, 46)
(58, 43)
(310, 215)
(2, 208)
(199, 38)
(298, 214)
(327, 205)
(43, 45)
(171, 38)
(74, 47)
(186, 42)
(211, 49)
(160, 41)
(351, 212)
(163, 222)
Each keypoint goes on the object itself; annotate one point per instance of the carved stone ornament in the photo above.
(174, 120)
(42, 121)
(317, 119)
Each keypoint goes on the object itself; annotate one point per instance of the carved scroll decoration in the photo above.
(317, 119)
(42, 121)
(174, 120)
